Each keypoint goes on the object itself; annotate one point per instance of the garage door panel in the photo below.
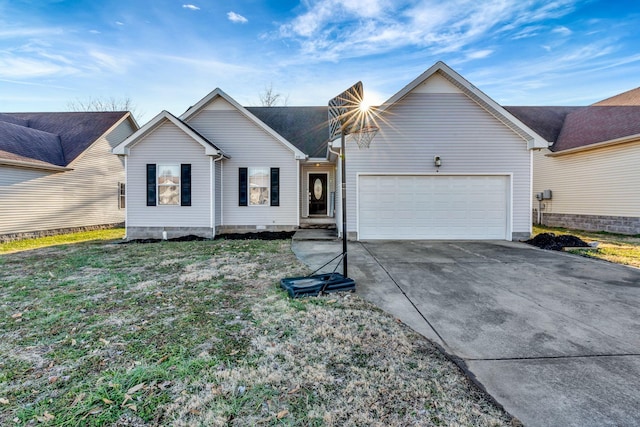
(433, 207)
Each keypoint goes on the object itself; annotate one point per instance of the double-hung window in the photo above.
(259, 186)
(169, 184)
(122, 195)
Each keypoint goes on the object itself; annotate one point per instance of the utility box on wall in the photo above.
(545, 195)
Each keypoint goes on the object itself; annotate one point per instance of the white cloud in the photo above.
(119, 23)
(527, 32)
(94, 32)
(190, 6)
(8, 33)
(27, 68)
(479, 54)
(107, 62)
(332, 29)
(563, 31)
(237, 18)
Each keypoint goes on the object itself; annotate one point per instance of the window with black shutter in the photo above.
(151, 184)
(242, 187)
(275, 186)
(185, 184)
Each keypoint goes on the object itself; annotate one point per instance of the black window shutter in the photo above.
(151, 184)
(185, 184)
(242, 187)
(275, 186)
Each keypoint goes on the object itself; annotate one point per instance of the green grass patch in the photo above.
(617, 248)
(61, 239)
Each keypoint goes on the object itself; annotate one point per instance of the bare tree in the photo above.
(103, 104)
(270, 98)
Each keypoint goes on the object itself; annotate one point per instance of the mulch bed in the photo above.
(555, 243)
(265, 235)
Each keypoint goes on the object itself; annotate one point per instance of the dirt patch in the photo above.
(265, 235)
(552, 242)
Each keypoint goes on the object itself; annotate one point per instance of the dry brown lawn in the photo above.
(199, 333)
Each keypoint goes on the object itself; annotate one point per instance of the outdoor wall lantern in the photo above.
(437, 161)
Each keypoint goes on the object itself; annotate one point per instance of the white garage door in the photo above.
(433, 207)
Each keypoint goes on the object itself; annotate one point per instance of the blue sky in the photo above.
(168, 54)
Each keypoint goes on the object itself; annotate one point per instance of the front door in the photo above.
(317, 194)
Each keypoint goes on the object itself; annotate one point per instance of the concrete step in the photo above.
(316, 234)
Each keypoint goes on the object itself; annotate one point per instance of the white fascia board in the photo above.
(534, 141)
(298, 155)
(124, 147)
(594, 146)
(39, 166)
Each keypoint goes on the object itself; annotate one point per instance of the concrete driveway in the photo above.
(553, 337)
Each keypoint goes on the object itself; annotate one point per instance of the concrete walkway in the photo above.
(553, 337)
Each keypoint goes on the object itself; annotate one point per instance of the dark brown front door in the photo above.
(317, 194)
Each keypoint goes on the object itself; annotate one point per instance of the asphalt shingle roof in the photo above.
(630, 97)
(574, 127)
(31, 143)
(307, 128)
(54, 138)
(546, 121)
(591, 125)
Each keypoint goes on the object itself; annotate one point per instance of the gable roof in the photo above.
(305, 127)
(534, 140)
(52, 139)
(546, 121)
(162, 117)
(219, 93)
(572, 128)
(591, 125)
(630, 97)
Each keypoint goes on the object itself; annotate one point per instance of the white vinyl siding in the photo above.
(433, 206)
(464, 135)
(33, 200)
(165, 146)
(249, 146)
(603, 181)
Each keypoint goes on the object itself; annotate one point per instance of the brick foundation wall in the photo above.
(11, 237)
(611, 224)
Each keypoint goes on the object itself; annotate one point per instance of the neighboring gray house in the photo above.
(57, 172)
(221, 167)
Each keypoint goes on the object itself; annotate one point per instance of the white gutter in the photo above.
(630, 138)
(29, 165)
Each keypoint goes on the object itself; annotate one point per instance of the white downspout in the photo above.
(212, 179)
(126, 198)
